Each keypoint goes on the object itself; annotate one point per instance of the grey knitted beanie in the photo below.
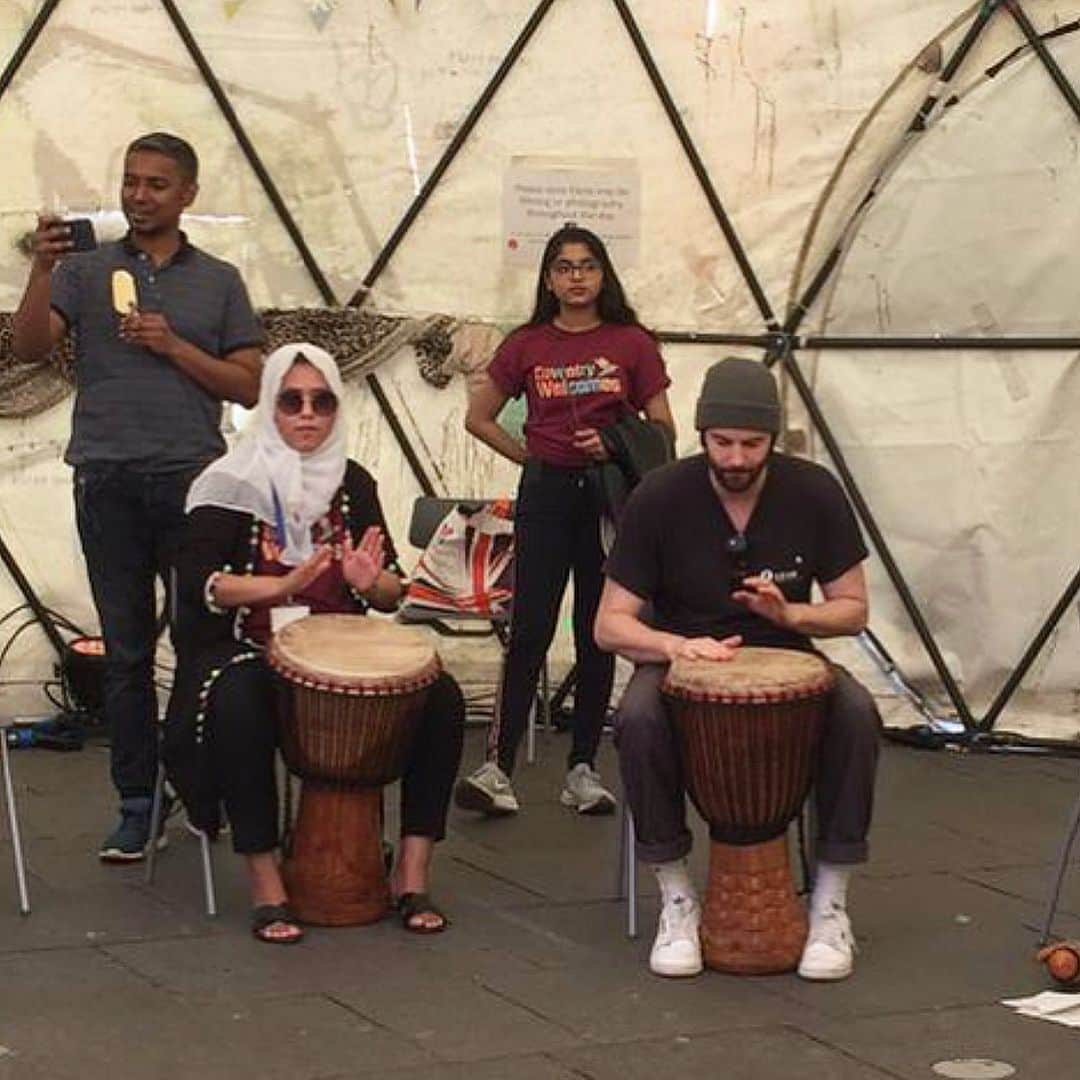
(739, 393)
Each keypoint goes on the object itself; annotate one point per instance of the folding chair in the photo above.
(626, 867)
(158, 804)
(626, 861)
(156, 810)
(428, 514)
(13, 820)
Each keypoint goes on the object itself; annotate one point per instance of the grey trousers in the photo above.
(652, 772)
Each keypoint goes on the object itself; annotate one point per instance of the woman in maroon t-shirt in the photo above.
(581, 361)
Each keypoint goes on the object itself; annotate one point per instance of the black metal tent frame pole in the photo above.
(1016, 10)
(22, 50)
(786, 354)
(401, 230)
(698, 166)
(974, 32)
(937, 344)
(779, 344)
(291, 227)
(462, 134)
(48, 625)
(269, 187)
(791, 366)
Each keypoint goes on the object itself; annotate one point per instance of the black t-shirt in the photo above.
(672, 547)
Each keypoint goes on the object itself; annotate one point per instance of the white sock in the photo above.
(830, 888)
(674, 880)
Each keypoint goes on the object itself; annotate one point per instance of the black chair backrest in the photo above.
(429, 511)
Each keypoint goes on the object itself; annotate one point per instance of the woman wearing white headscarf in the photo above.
(285, 518)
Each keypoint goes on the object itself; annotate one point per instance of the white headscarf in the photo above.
(262, 463)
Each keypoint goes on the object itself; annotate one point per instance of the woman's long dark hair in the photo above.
(611, 304)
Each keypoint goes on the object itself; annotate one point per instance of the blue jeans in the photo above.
(130, 525)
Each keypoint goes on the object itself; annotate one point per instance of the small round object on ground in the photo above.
(974, 1069)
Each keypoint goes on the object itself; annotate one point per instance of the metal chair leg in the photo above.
(208, 874)
(620, 861)
(530, 735)
(626, 869)
(155, 824)
(13, 826)
(540, 712)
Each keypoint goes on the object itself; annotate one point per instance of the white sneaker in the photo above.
(829, 953)
(584, 792)
(488, 791)
(676, 952)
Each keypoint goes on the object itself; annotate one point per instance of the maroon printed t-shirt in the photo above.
(576, 380)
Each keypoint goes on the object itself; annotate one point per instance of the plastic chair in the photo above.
(13, 820)
(428, 514)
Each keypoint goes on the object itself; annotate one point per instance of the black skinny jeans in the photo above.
(556, 531)
(243, 738)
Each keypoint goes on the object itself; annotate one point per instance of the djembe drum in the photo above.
(748, 730)
(354, 688)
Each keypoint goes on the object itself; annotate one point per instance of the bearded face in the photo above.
(737, 457)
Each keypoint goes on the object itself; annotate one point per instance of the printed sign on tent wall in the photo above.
(542, 194)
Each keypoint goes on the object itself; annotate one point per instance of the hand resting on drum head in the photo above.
(704, 648)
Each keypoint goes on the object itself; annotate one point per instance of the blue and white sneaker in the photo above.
(127, 842)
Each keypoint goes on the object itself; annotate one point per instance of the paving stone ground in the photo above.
(536, 980)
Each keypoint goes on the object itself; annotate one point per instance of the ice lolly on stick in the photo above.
(125, 298)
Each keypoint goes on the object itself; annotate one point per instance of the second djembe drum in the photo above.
(353, 691)
(748, 731)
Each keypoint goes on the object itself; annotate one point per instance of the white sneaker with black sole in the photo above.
(829, 953)
(676, 952)
(487, 791)
(584, 793)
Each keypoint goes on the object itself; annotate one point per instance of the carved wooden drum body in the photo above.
(354, 687)
(749, 731)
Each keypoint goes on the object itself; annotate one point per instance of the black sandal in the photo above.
(411, 904)
(266, 915)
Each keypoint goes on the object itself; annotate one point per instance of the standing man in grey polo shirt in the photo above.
(150, 383)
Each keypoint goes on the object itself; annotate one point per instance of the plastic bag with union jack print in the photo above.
(467, 567)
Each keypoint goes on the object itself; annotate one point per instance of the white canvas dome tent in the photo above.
(313, 122)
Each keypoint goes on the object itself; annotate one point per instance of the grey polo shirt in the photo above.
(133, 407)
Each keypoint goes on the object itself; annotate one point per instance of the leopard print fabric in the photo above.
(361, 340)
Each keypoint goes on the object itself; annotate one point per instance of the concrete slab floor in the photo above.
(536, 979)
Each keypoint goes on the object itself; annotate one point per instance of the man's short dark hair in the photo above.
(171, 146)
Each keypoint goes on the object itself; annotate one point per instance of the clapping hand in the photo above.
(363, 563)
(300, 577)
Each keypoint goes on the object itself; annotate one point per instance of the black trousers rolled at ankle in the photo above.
(556, 532)
(243, 740)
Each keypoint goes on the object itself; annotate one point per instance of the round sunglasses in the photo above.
(291, 402)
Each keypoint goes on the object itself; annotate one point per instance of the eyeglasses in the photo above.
(565, 268)
(291, 402)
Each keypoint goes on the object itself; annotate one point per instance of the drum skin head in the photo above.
(752, 675)
(354, 653)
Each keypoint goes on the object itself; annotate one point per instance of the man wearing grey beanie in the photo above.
(756, 530)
